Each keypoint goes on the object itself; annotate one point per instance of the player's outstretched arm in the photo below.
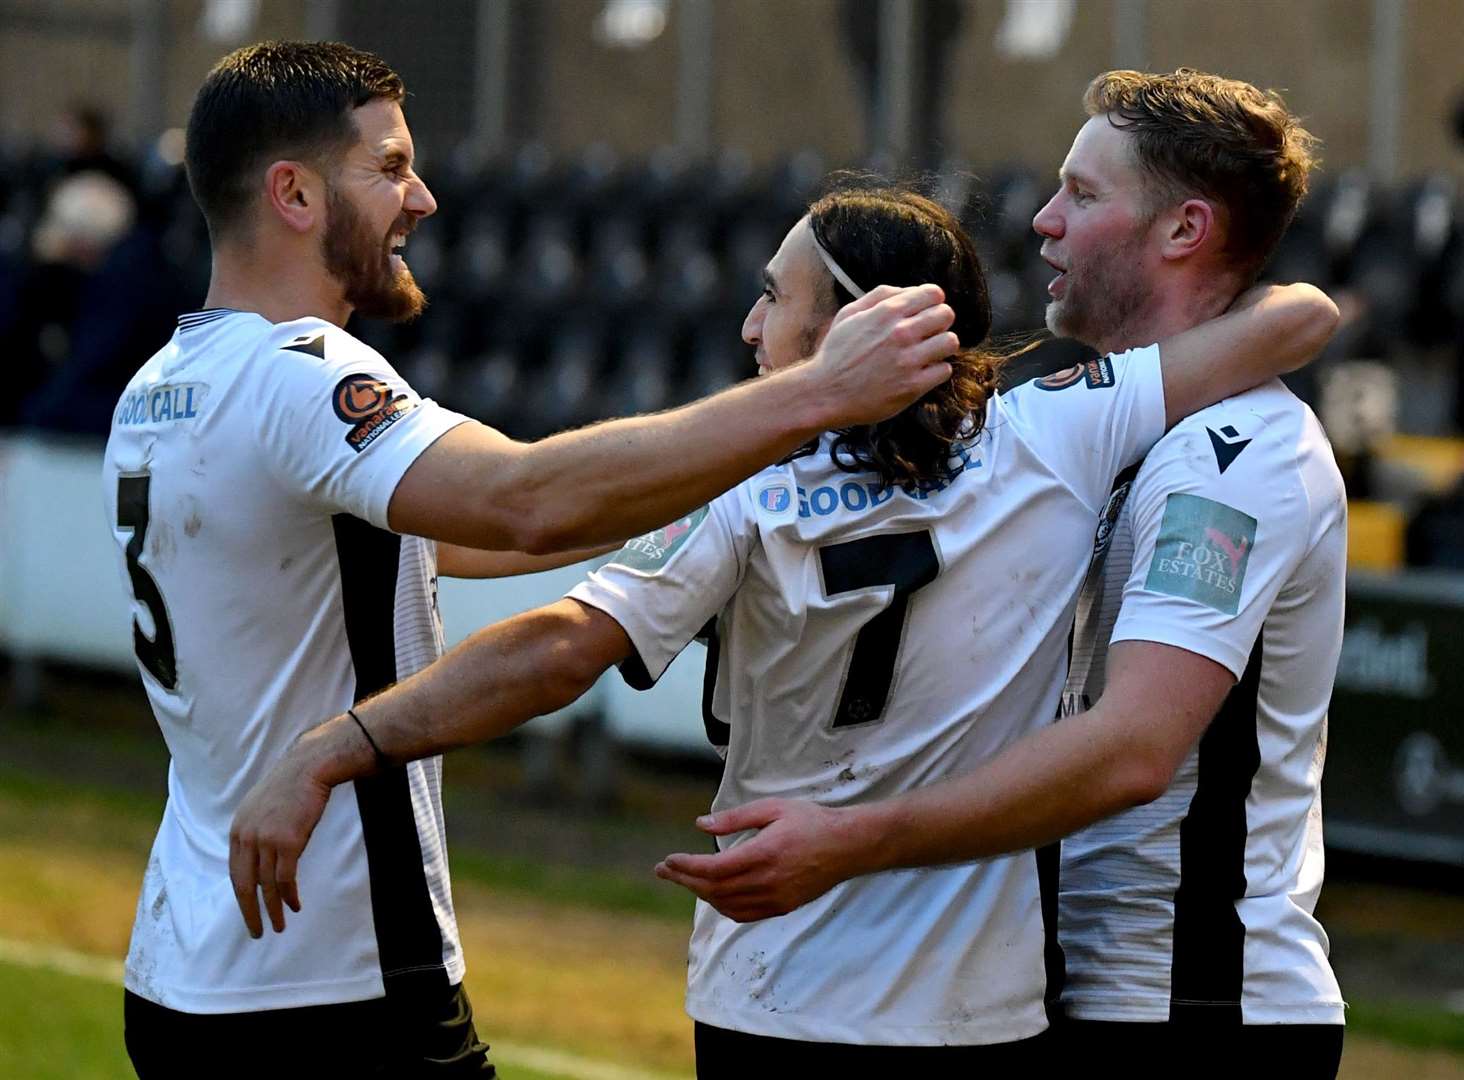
(460, 562)
(1121, 753)
(618, 479)
(499, 677)
(1268, 331)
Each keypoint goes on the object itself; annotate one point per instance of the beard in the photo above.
(1102, 295)
(361, 262)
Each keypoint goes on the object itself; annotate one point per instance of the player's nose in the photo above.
(420, 200)
(752, 325)
(1048, 221)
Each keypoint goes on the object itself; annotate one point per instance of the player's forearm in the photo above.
(488, 685)
(624, 477)
(1272, 330)
(1049, 784)
(1286, 326)
(456, 561)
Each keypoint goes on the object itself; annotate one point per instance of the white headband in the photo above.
(835, 269)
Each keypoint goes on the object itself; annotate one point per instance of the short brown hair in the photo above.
(1226, 140)
(270, 100)
(880, 234)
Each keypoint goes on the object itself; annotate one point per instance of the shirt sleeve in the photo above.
(1212, 550)
(1093, 420)
(338, 425)
(665, 586)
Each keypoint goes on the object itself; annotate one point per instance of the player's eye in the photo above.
(768, 295)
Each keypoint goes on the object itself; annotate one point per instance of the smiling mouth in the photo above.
(395, 250)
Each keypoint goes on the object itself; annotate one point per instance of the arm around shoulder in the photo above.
(1268, 331)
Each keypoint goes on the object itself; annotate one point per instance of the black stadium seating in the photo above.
(564, 291)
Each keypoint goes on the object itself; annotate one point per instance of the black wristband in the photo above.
(381, 759)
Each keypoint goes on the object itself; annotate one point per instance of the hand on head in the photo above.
(886, 350)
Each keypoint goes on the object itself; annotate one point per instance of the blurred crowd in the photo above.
(565, 290)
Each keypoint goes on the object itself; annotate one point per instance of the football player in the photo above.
(891, 607)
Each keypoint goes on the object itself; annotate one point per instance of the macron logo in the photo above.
(1228, 444)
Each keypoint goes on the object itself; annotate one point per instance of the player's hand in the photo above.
(801, 851)
(270, 831)
(884, 351)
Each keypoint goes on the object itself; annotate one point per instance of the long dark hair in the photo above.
(886, 235)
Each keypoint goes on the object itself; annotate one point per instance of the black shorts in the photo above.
(737, 1055)
(1197, 1050)
(429, 1034)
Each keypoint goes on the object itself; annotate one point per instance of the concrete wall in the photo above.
(782, 77)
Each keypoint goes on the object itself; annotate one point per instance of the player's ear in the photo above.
(1189, 227)
(295, 194)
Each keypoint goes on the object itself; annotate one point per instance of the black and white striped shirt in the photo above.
(247, 479)
(1230, 542)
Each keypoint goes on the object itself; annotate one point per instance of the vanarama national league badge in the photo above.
(365, 402)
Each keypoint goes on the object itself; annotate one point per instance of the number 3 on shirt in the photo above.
(157, 654)
(909, 562)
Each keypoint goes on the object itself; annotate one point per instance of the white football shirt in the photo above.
(870, 641)
(1231, 543)
(247, 479)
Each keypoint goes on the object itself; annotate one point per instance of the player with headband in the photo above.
(889, 606)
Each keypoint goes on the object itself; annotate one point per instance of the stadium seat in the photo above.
(616, 269)
(1375, 535)
(481, 259)
(687, 275)
(715, 358)
(1347, 210)
(546, 267)
(492, 389)
(642, 380)
(1438, 461)
(565, 391)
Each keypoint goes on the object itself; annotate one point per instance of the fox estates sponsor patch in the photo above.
(654, 550)
(365, 402)
(1202, 552)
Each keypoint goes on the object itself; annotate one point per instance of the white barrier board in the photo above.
(62, 595)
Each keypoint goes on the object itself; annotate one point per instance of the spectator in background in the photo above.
(81, 142)
(101, 300)
(937, 23)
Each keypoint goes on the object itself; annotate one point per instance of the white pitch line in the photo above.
(103, 969)
(50, 958)
(570, 1065)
